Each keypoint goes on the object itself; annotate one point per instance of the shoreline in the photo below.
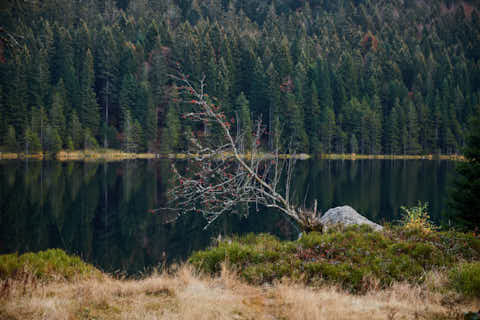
(118, 155)
(212, 285)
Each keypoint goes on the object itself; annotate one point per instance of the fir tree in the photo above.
(89, 141)
(76, 131)
(242, 111)
(171, 132)
(57, 115)
(89, 112)
(31, 141)
(11, 140)
(53, 142)
(465, 195)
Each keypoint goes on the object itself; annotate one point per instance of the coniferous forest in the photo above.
(356, 76)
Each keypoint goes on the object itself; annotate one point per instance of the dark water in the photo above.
(100, 210)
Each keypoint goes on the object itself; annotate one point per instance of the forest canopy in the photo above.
(360, 76)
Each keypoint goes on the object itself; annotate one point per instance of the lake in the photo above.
(100, 211)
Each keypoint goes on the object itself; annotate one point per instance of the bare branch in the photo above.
(224, 172)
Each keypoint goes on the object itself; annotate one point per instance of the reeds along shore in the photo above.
(118, 155)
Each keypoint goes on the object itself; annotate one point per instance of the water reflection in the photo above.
(100, 210)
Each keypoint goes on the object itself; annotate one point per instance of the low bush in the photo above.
(417, 219)
(351, 257)
(465, 278)
(52, 263)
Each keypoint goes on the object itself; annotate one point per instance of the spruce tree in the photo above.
(39, 122)
(89, 111)
(242, 111)
(465, 194)
(353, 144)
(314, 120)
(327, 129)
(31, 141)
(171, 132)
(413, 147)
(11, 140)
(57, 115)
(53, 142)
(89, 141)
(393, 133)
(129, 143)
(75, 130)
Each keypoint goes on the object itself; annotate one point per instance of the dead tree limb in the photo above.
(222, 172)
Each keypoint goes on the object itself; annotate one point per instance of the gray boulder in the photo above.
(345, 216)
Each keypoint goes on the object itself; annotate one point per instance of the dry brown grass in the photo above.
(186, 295)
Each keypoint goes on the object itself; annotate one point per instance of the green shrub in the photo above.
(47, 264)
(465, 278)
(350, 257)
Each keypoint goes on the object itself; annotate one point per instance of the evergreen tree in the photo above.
(38, 123)
(327, 129)
(242, 111)
(146, 113)
(130, 138)
(314, 119)
(109, 60)
(76, 131)
(31, 141)
(69, 144)
(294, 129)
(138, 137)
(128, 93)
(353, 144)
(394, 132)
(57, 115)
(413, 147)
(375, 133)
(89, 141)
(171, 131)
(465, 195)
(53, 142)
(11, 140)
(89, 112)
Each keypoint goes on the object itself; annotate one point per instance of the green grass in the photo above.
(352, 257)
(49, 264)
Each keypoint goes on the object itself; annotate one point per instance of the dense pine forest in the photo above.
(356, 76)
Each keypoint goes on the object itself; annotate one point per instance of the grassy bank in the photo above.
(344, 274)
(101, 154)
(118, 155)
(80, 155)
(353, 156)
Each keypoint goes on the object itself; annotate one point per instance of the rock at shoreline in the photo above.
(345, 216)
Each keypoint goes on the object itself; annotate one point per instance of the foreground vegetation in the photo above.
(375, 275)
(356, 258)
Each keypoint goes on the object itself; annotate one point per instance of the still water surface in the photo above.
(100, 211)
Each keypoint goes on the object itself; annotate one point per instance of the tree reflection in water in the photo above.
(100, 211)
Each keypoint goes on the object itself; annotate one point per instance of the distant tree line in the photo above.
(361, 76)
